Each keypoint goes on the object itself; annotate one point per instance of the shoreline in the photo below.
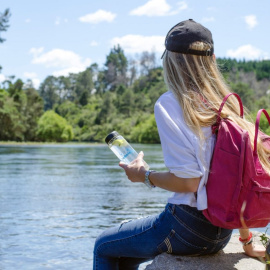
(14, 143)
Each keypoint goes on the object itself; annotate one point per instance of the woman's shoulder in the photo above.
(167, 99)
(167, 107)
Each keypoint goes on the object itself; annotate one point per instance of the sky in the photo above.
(61, 37)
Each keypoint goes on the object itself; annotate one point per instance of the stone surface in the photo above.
(232, 257)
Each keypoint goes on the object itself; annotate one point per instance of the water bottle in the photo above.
(122, 149)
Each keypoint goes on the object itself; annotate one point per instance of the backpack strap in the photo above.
(216, 125)
(255, 153)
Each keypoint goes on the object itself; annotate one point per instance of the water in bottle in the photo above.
(122, 149)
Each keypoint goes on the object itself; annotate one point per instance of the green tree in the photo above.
(33, 111)
(107, 110)
(246, 94)
(84, 86)
(54, 128)
(146, 131)
(126, 103)
(20, 110)
(4, 19)
(11, 126)
(116, 68)
(83, 100)
(49, 92)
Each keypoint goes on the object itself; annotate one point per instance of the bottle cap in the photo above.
(111, 136)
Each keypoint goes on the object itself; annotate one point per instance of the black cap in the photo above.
(183, 34)
(111, 136)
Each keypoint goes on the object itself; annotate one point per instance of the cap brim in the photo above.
(163, 53)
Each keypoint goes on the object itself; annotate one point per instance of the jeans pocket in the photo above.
(175, 244)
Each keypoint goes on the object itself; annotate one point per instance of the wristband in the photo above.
(247, 241)
(147, 181)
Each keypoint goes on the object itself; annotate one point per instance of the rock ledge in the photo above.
(232, 257)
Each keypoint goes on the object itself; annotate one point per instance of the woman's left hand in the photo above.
(135, 171)
(254, 250)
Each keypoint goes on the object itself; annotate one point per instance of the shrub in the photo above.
(54, 128)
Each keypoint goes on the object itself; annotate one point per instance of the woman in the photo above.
(184, 116)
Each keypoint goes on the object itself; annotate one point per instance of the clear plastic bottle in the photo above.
(122, 149)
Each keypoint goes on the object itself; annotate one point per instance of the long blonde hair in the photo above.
(195, 80)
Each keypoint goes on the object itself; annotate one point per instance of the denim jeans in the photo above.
(179, 229)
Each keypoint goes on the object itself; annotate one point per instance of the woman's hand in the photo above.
(254, 251)
(250, 249)
(135, 171)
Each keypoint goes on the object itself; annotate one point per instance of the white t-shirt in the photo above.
(183, 154)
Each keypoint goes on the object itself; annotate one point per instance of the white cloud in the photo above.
(251, 21)
(33, 77)
(248, 52)
(36, 51)
(64, 61)
(2, 78)
(30, 75)
(208, 19)
(36, 83)
(182, 6)
(158, 8)
(98, 16)
(93, 43)
(138, 43)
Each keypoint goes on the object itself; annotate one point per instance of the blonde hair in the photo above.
(197, 81)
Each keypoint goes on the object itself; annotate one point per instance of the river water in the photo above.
(56, 199)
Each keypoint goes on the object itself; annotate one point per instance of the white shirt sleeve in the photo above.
(177, 140)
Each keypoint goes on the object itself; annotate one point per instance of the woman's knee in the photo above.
(103, 241)
(100, 240)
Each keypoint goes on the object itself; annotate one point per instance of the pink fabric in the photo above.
(236, 177)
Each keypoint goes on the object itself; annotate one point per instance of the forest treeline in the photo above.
(117, 96)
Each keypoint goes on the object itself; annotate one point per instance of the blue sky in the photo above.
(57, 37)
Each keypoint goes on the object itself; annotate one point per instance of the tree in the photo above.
(246, 94)
(147, 62)
(4, 19)
(33, 111)
(54, 128)
(146, 131)
(49, 92)
(116, 68)
(84, 86)
(20, 109)
(107, 109)
(133, 71)
(126, 103)
(83, 100)
(11, 126)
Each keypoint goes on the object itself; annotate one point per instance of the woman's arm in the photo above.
(166, 180)
(250, 249)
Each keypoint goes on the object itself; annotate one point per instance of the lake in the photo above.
(56, 199)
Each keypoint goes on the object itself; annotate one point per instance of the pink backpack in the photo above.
(236, 179)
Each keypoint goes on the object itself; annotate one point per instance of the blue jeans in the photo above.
(179, 229)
